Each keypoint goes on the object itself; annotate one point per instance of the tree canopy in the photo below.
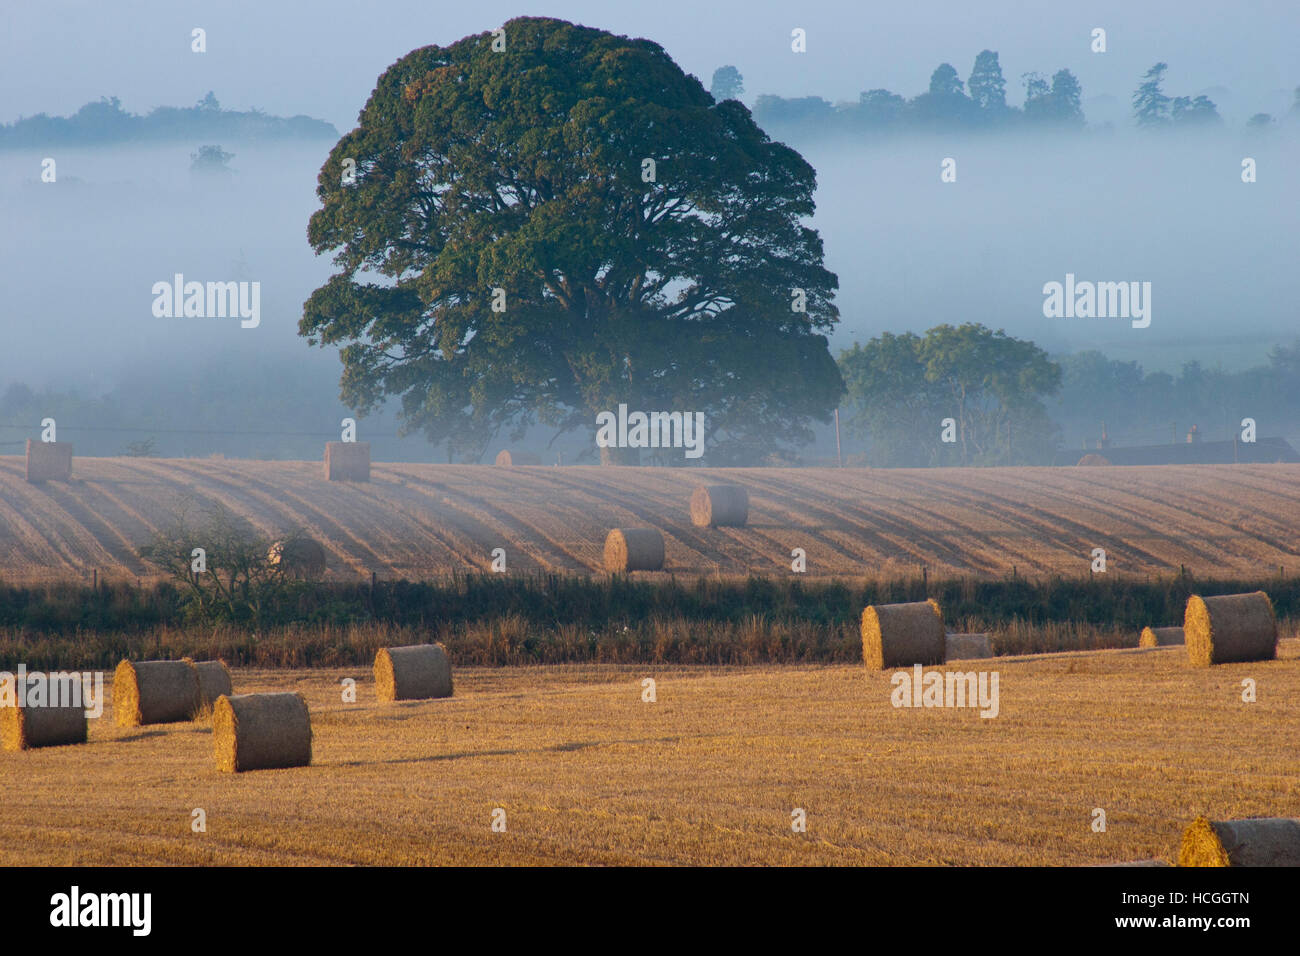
(1152, 109)
(554, 220)
(903, 387)
(988, 88)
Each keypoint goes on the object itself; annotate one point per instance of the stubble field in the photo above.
(588, 773)
(415, 520)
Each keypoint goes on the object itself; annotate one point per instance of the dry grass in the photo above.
(709, 774)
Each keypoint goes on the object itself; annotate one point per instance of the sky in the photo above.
(321, 57)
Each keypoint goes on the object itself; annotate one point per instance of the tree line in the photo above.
(105, 122)
(968, 395)
(1010, 402)
(980, 102)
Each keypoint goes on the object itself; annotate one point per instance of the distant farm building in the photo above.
(1194, 451)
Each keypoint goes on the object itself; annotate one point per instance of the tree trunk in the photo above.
(620, 456)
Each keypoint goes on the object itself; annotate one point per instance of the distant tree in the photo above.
(1260, 121)
(995, 385)
(105, 120)
(1067, 97)
(211, 160)
(880, 108)
(1096, 389)
(727, 84)
(240, 585)
(944, 104)
(1058, 104)
(944, 81)
(1201, 111)
(805, 111)
(1150, 105)
(901, 387)
(17, 398)
(141, 449)
(1036, 88)
(1284, 362)
(1038, 97)
(988, 88)
(890, 401)
(209, 103)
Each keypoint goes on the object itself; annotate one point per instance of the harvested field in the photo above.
(415, 520)
(709, 774)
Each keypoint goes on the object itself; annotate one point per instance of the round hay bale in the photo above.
(155, 692)
(634, 549)
(719, 506)
(298, 558)
(23, 726)
(214, 681)
(1229, 627)
(1160, 636)
(1093, 459)
(261, 732)
(507, 458)
(417, 672)
(899, 635)
(1266, 841)
(965, 647)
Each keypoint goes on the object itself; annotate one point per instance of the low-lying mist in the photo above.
(82, 254)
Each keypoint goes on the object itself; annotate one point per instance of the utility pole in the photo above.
(839, 458)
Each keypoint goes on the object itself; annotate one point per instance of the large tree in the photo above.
(648, 243)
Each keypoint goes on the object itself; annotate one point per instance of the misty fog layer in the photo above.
(82, 254)
(912, 252)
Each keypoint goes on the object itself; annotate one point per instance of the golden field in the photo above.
(588, 773)
(417, 520)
